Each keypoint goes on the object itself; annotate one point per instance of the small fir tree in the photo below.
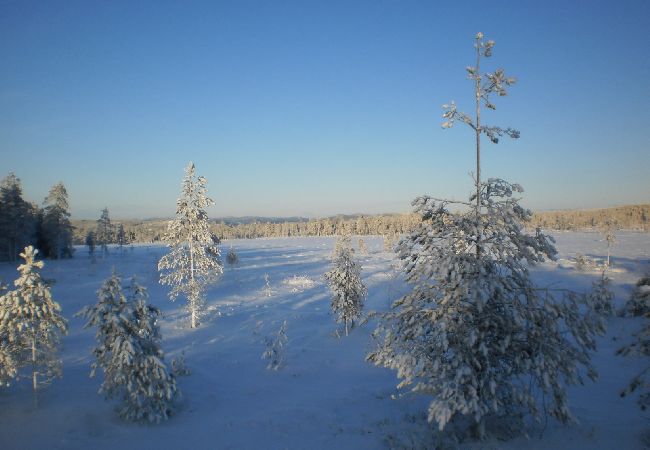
(32, 325)
(638, 304)
(475, 333)
(601, 295)
(275, 346)
(267, 285)
(363, 250)
(128, 351)
(231, 258)
(610, 238)
(193, 261)
(344, 279)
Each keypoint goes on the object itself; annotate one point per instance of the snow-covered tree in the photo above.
(31, 323)
(344, 279)
(104, 233)
(363, 250)
(267, 286)
(601, 295)
(640, 347)
(8, 367)
(638, 304)
(128, 352)
(610, 238)
(475, 333)
(193, 261)
(56, 228)
(275, 346)
(231, 258)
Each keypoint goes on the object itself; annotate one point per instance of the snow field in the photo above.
(327, 395)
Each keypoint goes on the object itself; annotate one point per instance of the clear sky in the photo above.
(319, 107)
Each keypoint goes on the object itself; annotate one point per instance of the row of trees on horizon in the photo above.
(50, 228)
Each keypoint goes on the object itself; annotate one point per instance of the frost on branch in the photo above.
(475, 334)
(194, 259)
(128, 352)
(31, 326)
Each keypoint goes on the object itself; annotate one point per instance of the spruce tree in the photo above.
(56, 228)
(193, 261)
(31, 323)
(475, 333)
(128, 352)
(344, 279)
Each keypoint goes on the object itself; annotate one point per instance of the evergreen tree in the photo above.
(104, 234)
(56, 228)
(17, 219)
(274, 351)
(601, 295)
(640, 347)
(638, 304)
(193, 261)
(90, 243)
(8, 369)
(121, 237)
(128, 351)
(344, 279)
(32, 324)
(231, 258)
(475, 333)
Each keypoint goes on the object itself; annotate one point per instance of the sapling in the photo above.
(344, 279)
(275, 348)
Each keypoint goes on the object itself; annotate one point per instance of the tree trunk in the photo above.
(34, 373)
(478, 429)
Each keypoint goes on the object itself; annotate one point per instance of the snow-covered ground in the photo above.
(326, 396)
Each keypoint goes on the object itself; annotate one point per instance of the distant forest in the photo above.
(634, 217)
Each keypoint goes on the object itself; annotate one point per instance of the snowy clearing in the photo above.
(327, 395)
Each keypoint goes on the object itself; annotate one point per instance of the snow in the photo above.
(327, 395)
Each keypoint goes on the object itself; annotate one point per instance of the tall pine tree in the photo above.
(475, 333)
(194, 259)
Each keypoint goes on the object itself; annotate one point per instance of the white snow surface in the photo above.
(326, 396)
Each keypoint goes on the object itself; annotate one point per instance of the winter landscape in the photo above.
(300, 290)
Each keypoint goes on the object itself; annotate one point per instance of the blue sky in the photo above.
(317, 108)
